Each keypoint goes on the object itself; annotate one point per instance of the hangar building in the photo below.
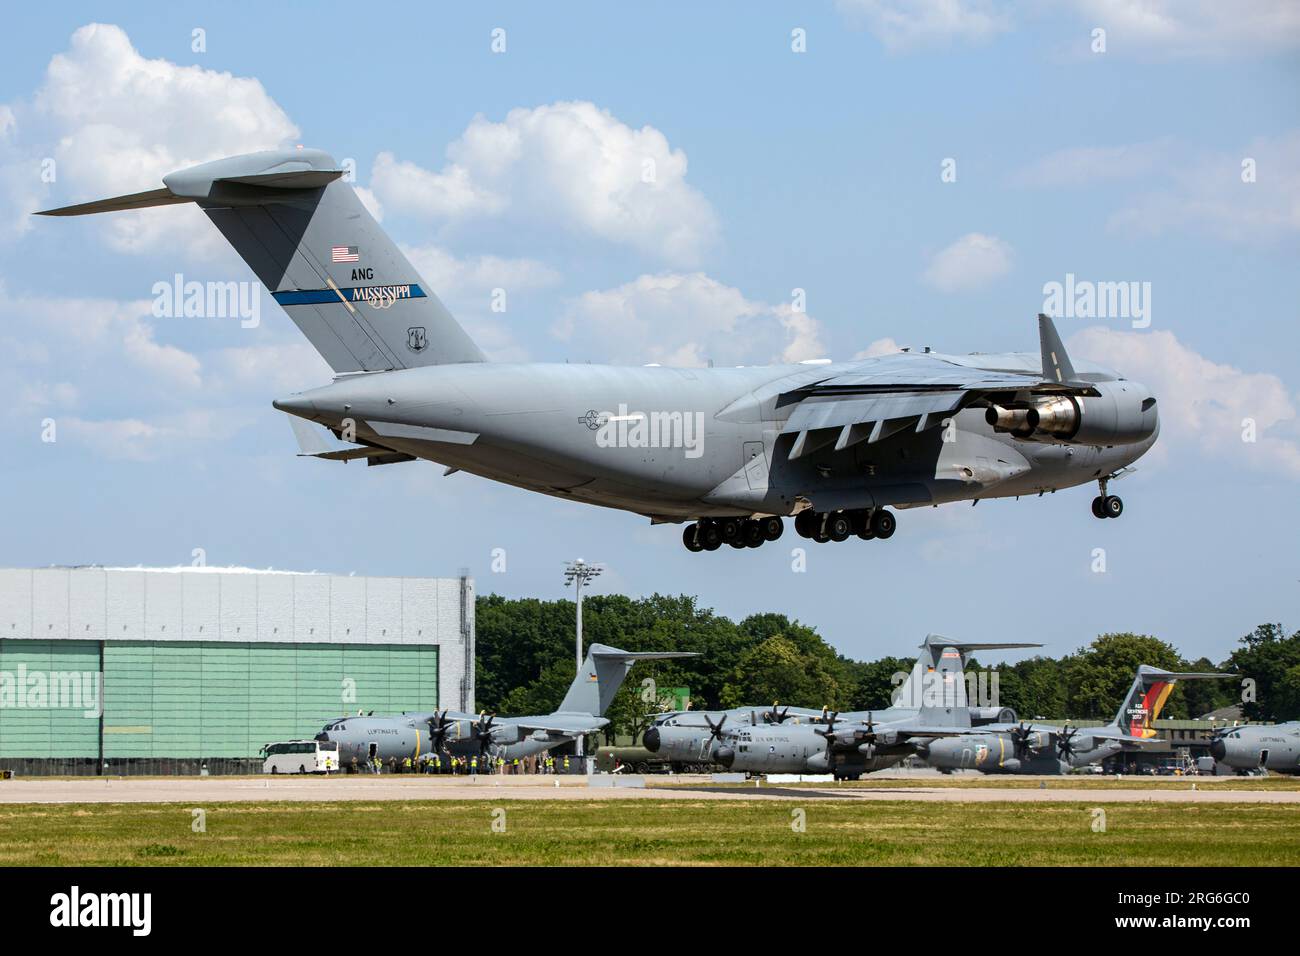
(202, 666)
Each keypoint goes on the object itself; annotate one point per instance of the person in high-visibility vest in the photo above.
(473, 765)
(435, 765)
(566, 763)
(406, 765)
(514, 766)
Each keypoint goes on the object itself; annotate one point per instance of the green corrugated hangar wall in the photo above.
(209, 699)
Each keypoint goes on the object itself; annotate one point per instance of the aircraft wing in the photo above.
(916, 390)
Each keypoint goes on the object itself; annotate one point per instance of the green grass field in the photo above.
(650, 833)
(1071, 782)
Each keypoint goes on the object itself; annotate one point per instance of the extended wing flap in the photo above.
(831, 412)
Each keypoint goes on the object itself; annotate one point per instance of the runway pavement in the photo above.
(199, 790)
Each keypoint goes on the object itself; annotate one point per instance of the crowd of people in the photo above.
(474, 764)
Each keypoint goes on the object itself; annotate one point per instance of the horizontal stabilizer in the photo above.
(152, 197)
(300, 226)
(938, 640)
(601, 650)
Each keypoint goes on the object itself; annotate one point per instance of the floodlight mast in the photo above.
(578, 573)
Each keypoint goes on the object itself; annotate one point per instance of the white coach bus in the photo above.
(301, 756)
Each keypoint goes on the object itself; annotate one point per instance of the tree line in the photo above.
(525, 663)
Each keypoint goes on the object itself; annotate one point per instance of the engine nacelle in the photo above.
(1123, 413)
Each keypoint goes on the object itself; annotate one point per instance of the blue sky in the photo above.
(778, 171)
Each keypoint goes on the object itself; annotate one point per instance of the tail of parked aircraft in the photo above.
(602, 675)
(1147, 698)
(912, 692)
(321, 255)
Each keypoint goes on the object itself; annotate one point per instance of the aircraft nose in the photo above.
(322, 736)
(1218, 749)
(652, 740)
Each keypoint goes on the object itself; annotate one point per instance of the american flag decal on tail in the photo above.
(345, 254)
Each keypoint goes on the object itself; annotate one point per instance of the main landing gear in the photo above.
(709, 534)
(840, 525)
(1105, 505)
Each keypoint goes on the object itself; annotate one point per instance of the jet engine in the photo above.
(1123, 413)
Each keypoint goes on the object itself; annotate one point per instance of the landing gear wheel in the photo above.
(883, 523)
(731, 529)
(754, 535)
(821, 529)
(839, 527)
(692, 539)
(710, 537)
(1099, 507)
(805, 523)
(772, 528)
(1112, 506)
(738, 541)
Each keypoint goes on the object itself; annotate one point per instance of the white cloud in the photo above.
(276, 369)
(48, 333)
(1206, 28)
(907, 24)
(686, 320)
(134, 439)
(1207, 193)
(469, 288)
(972, 261)
(1083, 165)
(885, 346)
(1141, 28)
(116, 122)
(1203, 403)
(569, 165)
(458, 279)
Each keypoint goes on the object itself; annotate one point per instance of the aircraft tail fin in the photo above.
(318, 251)
(943, 696)
(912, 692)
(602, 675)
(1147, 697)
(1057, 367)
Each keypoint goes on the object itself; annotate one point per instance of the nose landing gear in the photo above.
(1106, 505)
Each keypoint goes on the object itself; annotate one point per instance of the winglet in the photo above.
(1057, 367)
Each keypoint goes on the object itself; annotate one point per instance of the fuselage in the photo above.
(677, 443)
(1268, 747)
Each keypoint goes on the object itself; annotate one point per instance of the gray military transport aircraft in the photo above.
(1045, 749)
(1273, 747)
(444, 732)
(931, 703)
(729, 451)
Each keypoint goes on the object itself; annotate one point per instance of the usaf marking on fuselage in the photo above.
(834, 444)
